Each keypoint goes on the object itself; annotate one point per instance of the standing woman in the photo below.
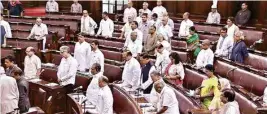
(15, 8)
(239, 51)
(231, 27)
(192, 41)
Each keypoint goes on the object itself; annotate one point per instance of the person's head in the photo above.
(85, 13)
(130, 4)
(144, 17)
(174, 57)
(152, 29)
(2, 71)
(140, 12)
(16, 73)
(105, 15)
(133, 36)
(165, 21)
(165, 14)
(134, 25)
(230, 21)
(155, 76)
(154, 16)
(208, 70)
(223, 84)
(94, 45)
(160, 48)
(9, 61)
(205, 44)
(192, 30)
(130, 19)
(159, 86)
(81, 38)
(96, 67)
(228, 95)
(75, 1)
(145, 5)
(239, 35)
(64, 51)
(244, 6)
(160, 37)
(38, 21)
(144, 59)
(127, 55)
(30, 51)
(159, 3)
(223, 32)
(102, 81)
(186, 15)
(213, 8)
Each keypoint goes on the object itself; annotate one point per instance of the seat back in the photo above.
(192, 79)
(207, 28)
(113, 72)
(209, 37)
(245, 106)
(23, 43)
(252, 35)
(83, 81)
(49, 75)
(56, 58)
(178, 43)
(256, 61)
(112, 55)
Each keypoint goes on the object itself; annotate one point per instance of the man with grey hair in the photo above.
(67, 69)
(205, 56)
(134, 45)
(105, 99)
(32, 64)
(146, 10)
(185, 25)
(159, 9)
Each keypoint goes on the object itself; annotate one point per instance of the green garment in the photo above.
(194, 40)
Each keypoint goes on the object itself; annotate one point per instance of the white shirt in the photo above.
(131, 73)
(232, 30)
(162, 60)
(88, 25)
(156, 23)
(67, 70)
(204, 57)
(31, 66)
(170, 23)
(105, 100)
(129, 12)
(93, 89)
(7, 28)
(154, 96)
(106, 28)
(159, 10)
(177, 69)
(81, 54)
(265, 96)
(230, 108)
(135, 47)
(139, 37)
(168, 98)
(184, 27)
(126, 29)
(76, 8)
(166, 45)
(39, 31)
(214, 18)
(138, 19)
(51, 6)
(96, 57)
(146, 84)
(224, 46)
(166, 31)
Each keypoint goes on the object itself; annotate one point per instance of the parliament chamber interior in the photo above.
(133, 57)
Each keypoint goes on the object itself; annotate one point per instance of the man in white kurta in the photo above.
(185, 25)
(105, 99)
(39, 31)
(165, 43)
(134, 45)
(139, 18)
(96, 56)
(32, 64)
(205, 56)
(230, 105)
(132, 72)
(155, 21)
(170, 21)
(76, 7)
(6, 26)
(163, 59)
(82, 53)
(159, 9)
(146, 10)
(9, 93)
(165, 30)
(214, 17)
(51, 6)
(106, 26)
(129, 12)
(134, 26)
(88, 25)
(125, 30)
(224, 45)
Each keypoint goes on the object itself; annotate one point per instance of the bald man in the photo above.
(105, 99)
(185, 25)
(32, 64)
(88, 25)
(129, 12)
(165, 29)
(146, 10)
(159, 9)
(39, 31)
(76, 7)
(205, 56)
(134, 45)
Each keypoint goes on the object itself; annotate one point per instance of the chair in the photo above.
(112, 55)
(113, 72)
(192, 79)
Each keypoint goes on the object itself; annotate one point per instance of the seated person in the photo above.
(51, 6)
(105, 99)
(239, 51)
(192, 41)
(224, 45)
(134, 45)
(15, 8)
(205, 56)
(230, 105)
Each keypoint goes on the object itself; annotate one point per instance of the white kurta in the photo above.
(232, 30)
(126, 29)
(7, 28)
(265, 96)
(131, 73)
(230, 108)
(105, 101)
(38, 31)
(88, 25)
(156, 23)
(135, 47)
(166, 45)
(106, 28)
(159, 10)
(81, 54)
(184, 27)
(139, 37)
(166, 31)
(154, 96)
(51, 6)
(138, 19)
(97, 57)
(129, 12)
(204, 57)
(214, 18)
(177, 69)
(67, 71)
(31, 66)
(162, 60)
(168, 98)
(224, 46)
(93, 89)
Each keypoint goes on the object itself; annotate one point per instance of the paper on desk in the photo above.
(51, 84)
(35, 80)
(48, 64)
(149, 110)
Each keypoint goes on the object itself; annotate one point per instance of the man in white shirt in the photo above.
(131, 72)
(125, 30)
(185, 25)
(159, 9)
(32, 64)
(106, 26)
(146, 10)
(67, 69)
(154, 97)
(9, 93)
(88, 25)
(96, 56)
(76, 7)
(51, 6)
(105, 99)
(168, 103)
(6, 26)
(163, 59)
(224, 45)
(134, 26)
(230, 105)
(139, 18)
(144, 26)
(165, 30)
(214, 17)
(164, 42)
(129, 12)
(170, 21)
(155, 20)
(82, 53)
(134, 45)
(205, 56)
(39, 31)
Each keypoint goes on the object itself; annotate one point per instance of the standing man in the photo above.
(169, 20)
(105, 99)
(6, 26)
(10, 65)
(146, 10)
(129, 12)
(151, 41)
(134, 26)
(96, 56)
(106, 26)
(224, 45)
(67, 69)
(125, 30)
(155, 20)
(163, 59)
(88, 25)
(159, 9)
(185, 25)
(39, 31)
(165, 30)
(214, 17)
(32, 64)
(51, 6)
(82, 53)
(76, 7)
(134, 45)
(243, 15)
(144, 26)
(139, 18)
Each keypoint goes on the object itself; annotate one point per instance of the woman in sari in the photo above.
(193, 41)
(15, 8)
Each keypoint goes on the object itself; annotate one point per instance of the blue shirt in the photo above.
(14, 10)
(239, 52)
